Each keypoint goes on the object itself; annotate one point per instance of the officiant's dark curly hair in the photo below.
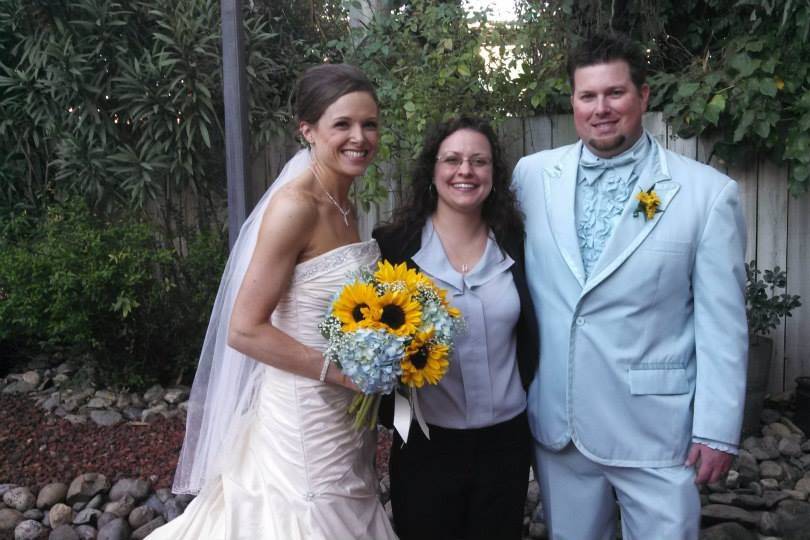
(500, 209)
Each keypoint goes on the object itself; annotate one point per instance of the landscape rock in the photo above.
(64, 532)
(714, 513)
(140, 516)
(29, 530)
(19, 498)
(60, 514)
(137, 488)
(117, 529)
(146, 529)
(86, 532)
(153, 394)
(727, 531)
(50, 494)
(106, 417)
(10, 518)
(88, 516)
(173, 396)
(86, 486)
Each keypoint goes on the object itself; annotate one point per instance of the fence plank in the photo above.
(684, 147)
(746, 177)
(510, 133)
(655, 125)
(705, 149)
(772, 248)
(538, 134)
(562, 130)
(797, 344)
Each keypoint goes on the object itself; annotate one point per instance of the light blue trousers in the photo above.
(580, 496)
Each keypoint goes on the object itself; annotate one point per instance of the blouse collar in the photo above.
(432, 258)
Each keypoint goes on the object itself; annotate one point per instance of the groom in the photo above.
(634, 257)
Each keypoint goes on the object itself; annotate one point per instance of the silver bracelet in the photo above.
(325, 368)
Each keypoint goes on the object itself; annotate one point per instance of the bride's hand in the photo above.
(341, 378)
(334, 375)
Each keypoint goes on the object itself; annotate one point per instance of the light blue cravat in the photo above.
(603, 187)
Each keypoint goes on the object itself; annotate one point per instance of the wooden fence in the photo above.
(778, 224)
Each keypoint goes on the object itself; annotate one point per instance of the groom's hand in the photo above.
(711, 465)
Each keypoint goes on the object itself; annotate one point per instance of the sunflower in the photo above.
(399, 313)
(357, 306)
(398, 277)
(425, 361)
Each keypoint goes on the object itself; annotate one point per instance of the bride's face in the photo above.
(345, 137)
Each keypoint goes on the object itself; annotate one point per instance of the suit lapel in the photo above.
(631, 230)
(560, 187)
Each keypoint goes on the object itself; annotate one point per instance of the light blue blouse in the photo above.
(482, 385)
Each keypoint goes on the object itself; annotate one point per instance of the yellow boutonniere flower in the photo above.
(648, 203)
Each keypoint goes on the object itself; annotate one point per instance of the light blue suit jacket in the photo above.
(651, 350)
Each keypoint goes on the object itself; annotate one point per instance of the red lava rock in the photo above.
(36, 449)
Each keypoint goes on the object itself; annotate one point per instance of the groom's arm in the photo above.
(721, 335)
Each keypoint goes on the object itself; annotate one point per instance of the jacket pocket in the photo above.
(658, 381)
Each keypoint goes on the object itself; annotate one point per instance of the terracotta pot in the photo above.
(760, 352)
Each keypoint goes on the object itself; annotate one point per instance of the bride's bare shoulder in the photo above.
(294, 205)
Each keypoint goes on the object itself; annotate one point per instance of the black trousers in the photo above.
(461, 484)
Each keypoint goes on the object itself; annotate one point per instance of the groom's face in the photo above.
(608, 107)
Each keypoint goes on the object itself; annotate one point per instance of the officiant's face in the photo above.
(608, 107)
(462, 175)
(345, 137)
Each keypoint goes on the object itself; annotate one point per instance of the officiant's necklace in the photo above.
(343, 212)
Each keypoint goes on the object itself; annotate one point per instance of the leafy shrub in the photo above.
(764, 306)
(106, 289)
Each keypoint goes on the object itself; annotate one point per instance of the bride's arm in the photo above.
(285, 233)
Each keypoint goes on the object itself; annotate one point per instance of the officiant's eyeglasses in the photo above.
(454, 161)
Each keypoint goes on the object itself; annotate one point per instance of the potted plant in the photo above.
(765, 306)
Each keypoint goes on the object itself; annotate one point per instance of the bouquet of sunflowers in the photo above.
(389, 328)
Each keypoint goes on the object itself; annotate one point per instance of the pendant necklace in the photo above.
(344, 213)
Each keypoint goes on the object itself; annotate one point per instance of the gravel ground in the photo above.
(36, 448)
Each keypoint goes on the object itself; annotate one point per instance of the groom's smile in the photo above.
(608, 107)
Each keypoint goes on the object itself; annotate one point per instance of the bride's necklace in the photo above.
(343, 212)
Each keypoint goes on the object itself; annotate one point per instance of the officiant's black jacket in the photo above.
(397, 246)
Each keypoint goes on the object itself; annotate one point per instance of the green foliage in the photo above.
(424, 59)
(764, 306)
(121, 103)
(428, 61)
(743, 74)
(77, 282)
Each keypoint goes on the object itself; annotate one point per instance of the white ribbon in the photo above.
(405, 409)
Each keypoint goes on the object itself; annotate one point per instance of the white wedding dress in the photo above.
(296, 469)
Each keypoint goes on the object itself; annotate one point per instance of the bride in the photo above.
(269, 446)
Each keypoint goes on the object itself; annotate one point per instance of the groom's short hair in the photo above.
(602, 48)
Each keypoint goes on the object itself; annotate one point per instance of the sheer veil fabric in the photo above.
(226, 382)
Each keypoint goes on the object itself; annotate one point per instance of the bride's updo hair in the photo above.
(320, 86)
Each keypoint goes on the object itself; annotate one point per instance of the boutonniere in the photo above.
(648, 203)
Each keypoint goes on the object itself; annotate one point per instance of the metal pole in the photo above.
(235, 96)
